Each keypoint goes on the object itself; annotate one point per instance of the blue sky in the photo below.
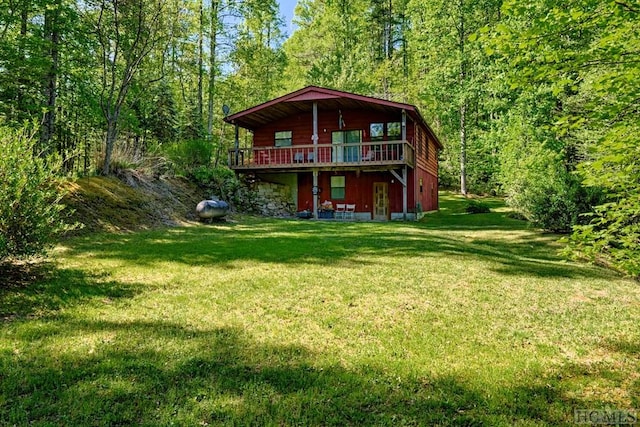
(286, 9)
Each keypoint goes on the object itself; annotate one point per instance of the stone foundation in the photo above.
(274, 199)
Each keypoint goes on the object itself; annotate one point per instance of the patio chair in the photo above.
(369, 156)
(340, 210)
(265, 158)
(298, 157)
(350, 211)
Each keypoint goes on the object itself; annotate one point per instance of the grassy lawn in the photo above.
(457, 320)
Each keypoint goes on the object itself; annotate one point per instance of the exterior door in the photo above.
(380, 201)
(350, 153)
(337, 152)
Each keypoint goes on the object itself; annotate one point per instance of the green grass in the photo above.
(457, 320)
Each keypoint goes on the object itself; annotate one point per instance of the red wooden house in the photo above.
(378, 155)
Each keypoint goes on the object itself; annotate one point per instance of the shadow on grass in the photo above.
(43, 289)
(222, 376)
(514, 251)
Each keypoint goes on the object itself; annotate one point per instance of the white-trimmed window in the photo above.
(376, 131)
(283, 138)
(338, 187)
(394, 131)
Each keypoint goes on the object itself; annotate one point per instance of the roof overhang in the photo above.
(301, 101)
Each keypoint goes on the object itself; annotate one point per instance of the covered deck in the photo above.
(379, 154)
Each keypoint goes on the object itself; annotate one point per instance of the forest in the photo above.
(538, 101)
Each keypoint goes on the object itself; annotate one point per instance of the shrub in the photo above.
(223, 183)
(554, 202)
(30, 209)
(611, 233)
(188, 156)
(474, 207)
(127, 157)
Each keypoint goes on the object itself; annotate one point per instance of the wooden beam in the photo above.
(237, 142)
(398, 177)
(314, 137)
(405, 176)
(315, 193)
(403, 181)
(404, 125)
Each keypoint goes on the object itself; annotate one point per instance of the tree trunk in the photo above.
(463, 147)
(200, 66)
(52, 36)
(463, 100)
(212, 64)
(112, 133)
(22, 47)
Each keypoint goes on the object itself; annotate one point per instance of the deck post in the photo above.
(315, 194)
(237, 143)
(404, 125)
(314, 137)
(404, 169)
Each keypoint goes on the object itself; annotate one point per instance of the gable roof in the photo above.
(301, 101)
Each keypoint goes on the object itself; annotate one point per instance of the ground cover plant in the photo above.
(459, 319)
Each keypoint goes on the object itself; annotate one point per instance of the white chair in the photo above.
(340, 210)
(369, 156)
(350, 211)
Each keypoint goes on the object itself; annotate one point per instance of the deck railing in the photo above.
(377, 153)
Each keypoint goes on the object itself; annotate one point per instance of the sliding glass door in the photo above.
(342, 153)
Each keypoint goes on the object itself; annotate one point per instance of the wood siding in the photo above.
(301, 126)
(359, 190)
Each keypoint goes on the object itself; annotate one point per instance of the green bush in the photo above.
(611, 234)
(187, 156)
(474, 207)
(224, 184)
(30, 194)
(554, 202)
(536, 179)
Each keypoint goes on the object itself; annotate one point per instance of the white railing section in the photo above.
(301, 156)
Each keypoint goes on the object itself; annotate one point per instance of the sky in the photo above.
(286, 9)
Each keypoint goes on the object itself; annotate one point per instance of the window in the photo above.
(376, 130)
(394, 130)
(283, 138)
(419, 139)
(338, 187)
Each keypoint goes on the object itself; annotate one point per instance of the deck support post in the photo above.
(403, 180)
(314, 137)
(404, 192)
(315, 194)
(404, 169)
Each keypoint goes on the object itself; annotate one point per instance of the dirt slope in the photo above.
(133, 202)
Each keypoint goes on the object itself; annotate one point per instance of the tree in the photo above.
(127, 32)
(455, 75)
(587, 53)
(329, 47)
